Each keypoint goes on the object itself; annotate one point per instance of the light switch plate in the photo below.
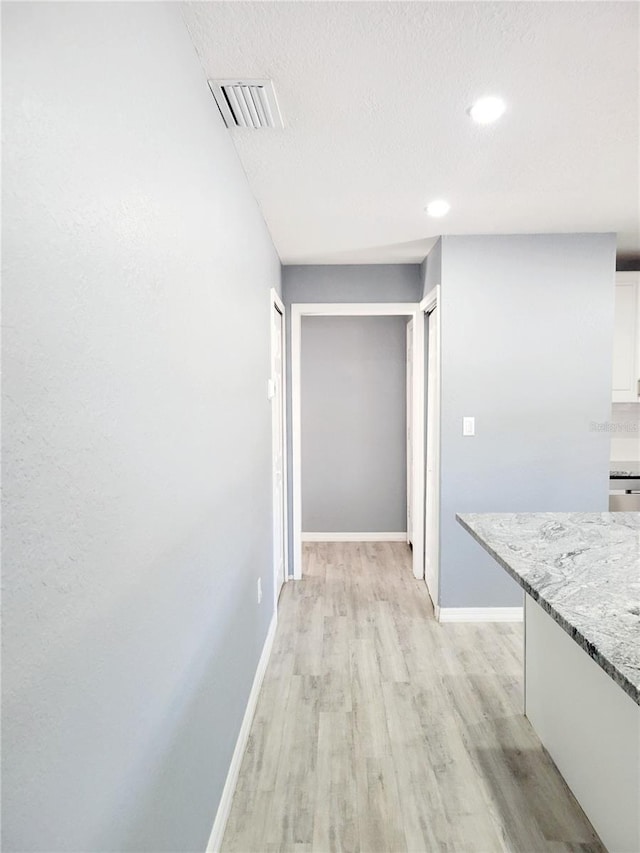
(468, 426)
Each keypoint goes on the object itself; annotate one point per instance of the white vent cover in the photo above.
(247, 103)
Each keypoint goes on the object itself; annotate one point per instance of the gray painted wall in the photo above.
(431, 269)
(136, 433)
(352, 283)
(527, 340)
(354, 424)
(628, 263)
(342, 283)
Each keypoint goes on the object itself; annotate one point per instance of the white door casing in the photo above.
(278, 432)
(409, 380)
(432, 496)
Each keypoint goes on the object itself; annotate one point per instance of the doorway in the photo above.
(416, 498)
(277, 394)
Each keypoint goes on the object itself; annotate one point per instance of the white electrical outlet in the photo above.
(468, 426)
(259, 590)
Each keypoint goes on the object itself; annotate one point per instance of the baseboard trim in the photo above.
(479, 614)
(355, 537)
(224, 807)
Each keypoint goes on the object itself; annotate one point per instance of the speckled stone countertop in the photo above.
(584, 569)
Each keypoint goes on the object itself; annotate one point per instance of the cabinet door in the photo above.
(626, 346)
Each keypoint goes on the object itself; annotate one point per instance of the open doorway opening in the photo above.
(414, 495)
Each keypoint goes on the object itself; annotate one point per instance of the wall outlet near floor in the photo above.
(259, 590)
(468, 426)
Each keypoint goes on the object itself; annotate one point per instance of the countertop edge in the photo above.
(604, 663)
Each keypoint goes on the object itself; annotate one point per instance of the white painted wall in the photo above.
(625, 432)
(136, 434)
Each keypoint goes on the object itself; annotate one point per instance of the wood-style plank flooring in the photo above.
(378, 729)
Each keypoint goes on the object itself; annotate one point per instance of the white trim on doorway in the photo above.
(354, 309)
(276, 303)
(409, 427)
(429, 302)
(358, 309)
(430, 306)
(312, 536)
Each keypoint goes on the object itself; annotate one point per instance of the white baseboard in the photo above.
(355, 537)
(479, 614)
(224, 807)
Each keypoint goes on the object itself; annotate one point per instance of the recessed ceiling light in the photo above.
(439, 207)
(486, 110)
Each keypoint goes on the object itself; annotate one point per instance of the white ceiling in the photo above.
(374, 99)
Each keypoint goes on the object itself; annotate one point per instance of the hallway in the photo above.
(378, 729)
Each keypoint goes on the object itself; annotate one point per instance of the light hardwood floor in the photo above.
(378, 729)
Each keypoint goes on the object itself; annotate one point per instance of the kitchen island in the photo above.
(581, 576)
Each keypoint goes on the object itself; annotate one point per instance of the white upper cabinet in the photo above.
(626, 338)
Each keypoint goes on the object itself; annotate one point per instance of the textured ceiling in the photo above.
(374, 99)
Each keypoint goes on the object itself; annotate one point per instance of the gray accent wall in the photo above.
(136, 433)
(352, 283)
(629, 262)
(353, 412)
(431, 269)
(527, 340)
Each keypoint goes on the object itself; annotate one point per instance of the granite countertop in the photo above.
(624, 470)
(584, 569)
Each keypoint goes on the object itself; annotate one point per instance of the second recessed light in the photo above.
(439, 207)
(487, 110)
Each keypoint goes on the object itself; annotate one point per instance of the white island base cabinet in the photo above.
(588, 725)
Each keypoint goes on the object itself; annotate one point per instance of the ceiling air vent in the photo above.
(247, 103)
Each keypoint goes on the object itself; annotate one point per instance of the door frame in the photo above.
(358, 309)
(409, 438)
(275, 303)
(427, 305)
